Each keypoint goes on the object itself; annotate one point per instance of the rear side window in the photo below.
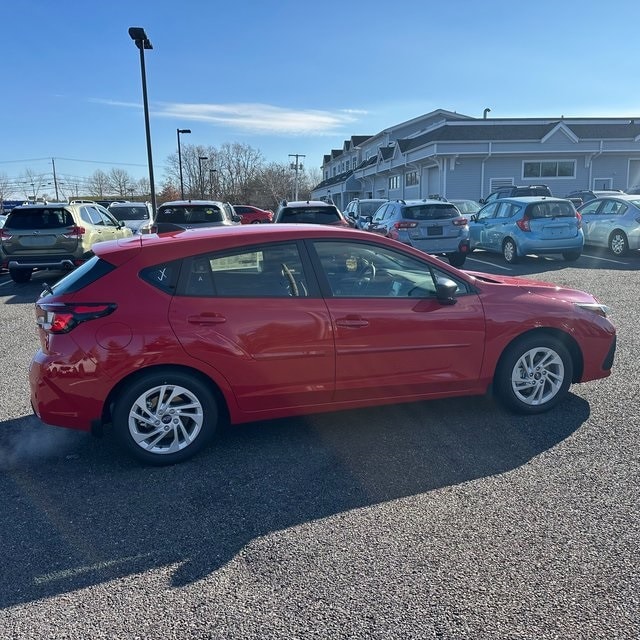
(39, 219)
(310, 215)
(430, 212)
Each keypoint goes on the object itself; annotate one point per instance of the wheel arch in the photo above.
(568, 341)
(223, 408)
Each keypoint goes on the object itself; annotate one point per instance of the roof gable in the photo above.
(560, 128)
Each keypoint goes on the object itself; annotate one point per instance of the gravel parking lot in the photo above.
(448, 519)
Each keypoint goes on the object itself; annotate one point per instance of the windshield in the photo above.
(133, 212)
(190, 214)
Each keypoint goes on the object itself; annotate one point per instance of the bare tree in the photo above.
(6, 188)
(98, 184)
(120, 182)
(32, 184)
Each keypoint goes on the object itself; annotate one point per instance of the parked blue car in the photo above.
(515, 227)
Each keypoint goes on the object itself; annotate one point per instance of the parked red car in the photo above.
(252, 215)
(255, 322)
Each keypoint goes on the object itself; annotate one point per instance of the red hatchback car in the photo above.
(254, 322)
(252, 215)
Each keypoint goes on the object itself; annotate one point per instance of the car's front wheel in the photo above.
(20, 275)
(534, 374)
(165, 417)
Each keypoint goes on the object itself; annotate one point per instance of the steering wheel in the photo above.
(291, 281)
(365, 275)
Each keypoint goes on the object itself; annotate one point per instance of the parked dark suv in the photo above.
(513, 191)
(189, 214)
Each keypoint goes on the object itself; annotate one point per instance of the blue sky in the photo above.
(293, 76)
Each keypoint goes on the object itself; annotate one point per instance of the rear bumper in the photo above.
(57, 262)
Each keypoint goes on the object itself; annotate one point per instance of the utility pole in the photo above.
(296, 166)
(55, 180)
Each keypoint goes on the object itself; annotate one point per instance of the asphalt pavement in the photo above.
(451, 519)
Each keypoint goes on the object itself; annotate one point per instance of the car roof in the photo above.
(529, 199)
(188, 203)
(308, 203)
(618, 196)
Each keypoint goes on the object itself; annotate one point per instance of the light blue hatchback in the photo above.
(516, 227)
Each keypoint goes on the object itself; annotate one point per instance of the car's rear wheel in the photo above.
(534, 374)
(571, 256)
(456, 259)
(20, 275)
(510, 251)
(618, 243)
(165, 417)
(255, 222)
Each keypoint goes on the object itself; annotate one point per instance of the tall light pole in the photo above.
(200, 159)
(212, 173)
(296, 165)
(180, 160)
(139, 36)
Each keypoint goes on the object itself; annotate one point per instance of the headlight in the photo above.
(595, 307)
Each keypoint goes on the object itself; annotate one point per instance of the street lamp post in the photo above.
(180, 160)
(141, 40)
(213, 174)
(200, 159)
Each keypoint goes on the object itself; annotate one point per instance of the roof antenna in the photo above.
(484, 113)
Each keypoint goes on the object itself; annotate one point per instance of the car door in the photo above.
(590, 215)
(393, 338)
(480, 226)
(255, 315)
(606, 221)
(380, 218)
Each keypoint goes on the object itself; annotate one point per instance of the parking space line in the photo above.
(588, 255)
(491, 264)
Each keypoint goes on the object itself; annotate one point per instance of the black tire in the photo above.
(456, 259)
(189, 422)
(20, 275)
(571, 256)
(510, 251)
(255, 222)
(618, 243)
(534, 374)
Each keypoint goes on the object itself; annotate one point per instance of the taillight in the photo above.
(75, 232)
(523, 223)
(57, 317)
(405, 225)
(579, 217)
(4, 234)
(460, 222)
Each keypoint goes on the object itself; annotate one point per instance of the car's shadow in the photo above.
(76, 512)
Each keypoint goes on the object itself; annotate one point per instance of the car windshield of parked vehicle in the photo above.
(39, 219)
(430, 212)
(551, 210)
(310, 215)
(368, 208)
(130, 212)
(190, 214)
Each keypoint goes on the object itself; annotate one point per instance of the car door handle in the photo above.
(352, 323)
(206, 318)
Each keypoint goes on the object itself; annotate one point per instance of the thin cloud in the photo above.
(254, 117)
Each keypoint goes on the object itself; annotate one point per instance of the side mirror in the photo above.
(481, 201)
(446, 290)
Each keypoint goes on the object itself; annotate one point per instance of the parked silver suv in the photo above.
(54, 236)
(433, 226)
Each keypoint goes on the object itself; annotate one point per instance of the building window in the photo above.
(411, 179)
(326, 175)
(334, 171)
(394, 183)
(549, 169)
(354, 163)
